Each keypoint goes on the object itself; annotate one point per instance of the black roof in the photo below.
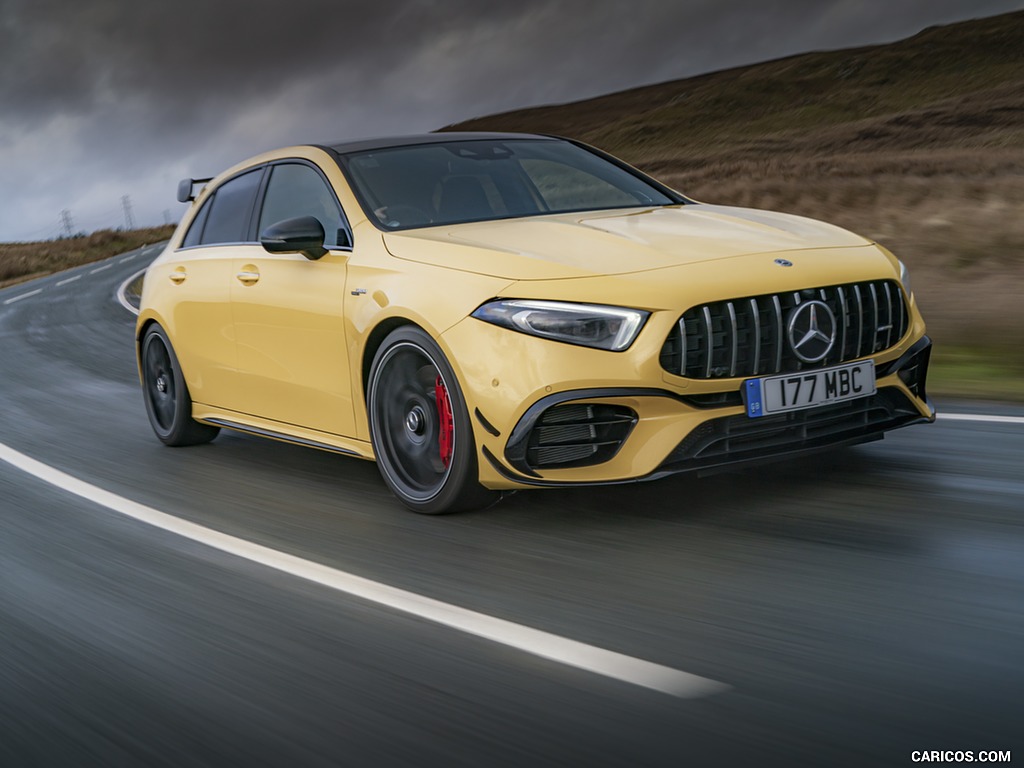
(362, 145)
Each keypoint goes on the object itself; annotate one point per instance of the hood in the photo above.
(616, 242)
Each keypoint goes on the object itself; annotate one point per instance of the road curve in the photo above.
(856, 606)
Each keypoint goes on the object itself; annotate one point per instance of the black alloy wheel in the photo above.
(419, 427)
(168, 403)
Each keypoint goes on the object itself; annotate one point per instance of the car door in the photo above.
(289, 312)
(201, 321)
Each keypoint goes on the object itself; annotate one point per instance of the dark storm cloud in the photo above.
(199, 54)
(195, 54)
(105, 97)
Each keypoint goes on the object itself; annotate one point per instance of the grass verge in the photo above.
(986, 373)
(20, 262)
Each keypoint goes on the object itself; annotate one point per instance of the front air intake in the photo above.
(578, 435)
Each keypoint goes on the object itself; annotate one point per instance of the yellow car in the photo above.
(487, 312)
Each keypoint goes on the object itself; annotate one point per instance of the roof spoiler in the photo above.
(185, 189)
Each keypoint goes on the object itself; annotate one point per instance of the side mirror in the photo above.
(185, 189)
(304, 235)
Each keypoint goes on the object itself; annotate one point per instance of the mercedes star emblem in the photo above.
(812, 331)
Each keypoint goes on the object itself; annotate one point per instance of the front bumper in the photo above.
(647, 433)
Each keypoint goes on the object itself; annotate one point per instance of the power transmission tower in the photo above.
(65, 217)
(129, 217)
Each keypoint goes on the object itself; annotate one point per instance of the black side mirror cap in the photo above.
(304, 234)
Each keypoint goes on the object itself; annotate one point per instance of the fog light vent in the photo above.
(578, 435)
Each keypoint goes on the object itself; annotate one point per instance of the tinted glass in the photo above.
(566, 187)
(195, 231)
(454, 182)
(298, 190)
(230, 209)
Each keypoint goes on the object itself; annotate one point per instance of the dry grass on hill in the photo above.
(23, 261)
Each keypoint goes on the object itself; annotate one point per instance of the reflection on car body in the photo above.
(484, 312)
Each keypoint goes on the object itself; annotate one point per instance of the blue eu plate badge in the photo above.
(754, 406)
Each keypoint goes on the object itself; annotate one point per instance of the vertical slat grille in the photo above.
(888, 316)
(860, 316)
(747, 337)
(843, 325)
(733, 336)
(709, 341)
(874, 313)
(777, 306)
(755, 316)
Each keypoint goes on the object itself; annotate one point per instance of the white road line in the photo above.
(981, 418)
(100, 269)
(67, 280)
(533, 641)
(23, 296)
(126, 259)
(123, 288)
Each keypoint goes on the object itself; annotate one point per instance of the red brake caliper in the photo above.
(446, 427)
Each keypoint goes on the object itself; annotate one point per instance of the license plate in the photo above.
(806, 389)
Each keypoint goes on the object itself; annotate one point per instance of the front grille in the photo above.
(578, 435)
(737, 438)
(747, 337)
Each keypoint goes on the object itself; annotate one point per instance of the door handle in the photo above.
(178, 276)
(248, 276)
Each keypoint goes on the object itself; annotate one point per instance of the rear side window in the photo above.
(195, 232)
(230, 208)
(298, 190)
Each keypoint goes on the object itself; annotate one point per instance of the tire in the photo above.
(168, 403)
(426, 456)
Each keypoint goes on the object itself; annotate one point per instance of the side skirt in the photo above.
(287, 437)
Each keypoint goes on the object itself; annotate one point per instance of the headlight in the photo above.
(589, 325)
(905, 279)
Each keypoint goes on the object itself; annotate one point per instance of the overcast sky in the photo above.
(105, 98)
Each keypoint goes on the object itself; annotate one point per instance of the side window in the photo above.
(298, 190)
(230, 209)
(195, 231)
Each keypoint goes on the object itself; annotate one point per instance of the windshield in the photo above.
(455, 182)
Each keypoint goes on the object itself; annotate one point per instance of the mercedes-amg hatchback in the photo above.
(482, 312)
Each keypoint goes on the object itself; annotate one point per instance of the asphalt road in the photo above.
(858, 605)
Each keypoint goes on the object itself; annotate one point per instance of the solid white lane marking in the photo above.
(122, 290)
(100, 269)
(67, 280)
(533, 641)
(982, 418)
(23, 296)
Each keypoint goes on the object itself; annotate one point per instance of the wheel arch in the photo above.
(374, 340)
(140, 331)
